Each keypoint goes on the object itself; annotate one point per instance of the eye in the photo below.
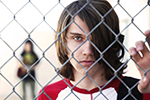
(77, 38)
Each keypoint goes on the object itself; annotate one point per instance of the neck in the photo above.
(87, 83)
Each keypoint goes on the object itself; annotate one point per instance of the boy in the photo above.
(89, 48)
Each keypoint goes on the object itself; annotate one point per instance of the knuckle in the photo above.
(139, 43)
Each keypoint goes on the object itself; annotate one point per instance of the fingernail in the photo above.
(144, 79)
(139, 48)
(148, 31)
(133, 52)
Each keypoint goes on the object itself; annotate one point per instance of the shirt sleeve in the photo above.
(146, 96)
(43, 96)
(50, 92)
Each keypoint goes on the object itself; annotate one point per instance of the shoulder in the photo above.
(51, 91)
(129, 86)
(129, 81)
(59, 85)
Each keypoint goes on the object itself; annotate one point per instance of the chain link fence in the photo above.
(36, 21)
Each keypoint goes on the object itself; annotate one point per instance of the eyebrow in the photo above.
(74, 33)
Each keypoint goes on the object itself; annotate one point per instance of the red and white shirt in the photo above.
(61, 90)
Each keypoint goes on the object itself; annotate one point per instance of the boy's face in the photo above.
(27, 47)
(84, 54)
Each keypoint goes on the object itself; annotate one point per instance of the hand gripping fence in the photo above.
(44, 14)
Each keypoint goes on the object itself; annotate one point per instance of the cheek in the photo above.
(69, 54)
(76, 56)
(75, 65)
(76, 52)
(73, 62)
(72, 45)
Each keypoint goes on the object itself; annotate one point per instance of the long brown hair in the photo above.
(97, 14)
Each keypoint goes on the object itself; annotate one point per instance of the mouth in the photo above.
(86, 63)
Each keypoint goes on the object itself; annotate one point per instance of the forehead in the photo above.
(27, 44)
(78, 26)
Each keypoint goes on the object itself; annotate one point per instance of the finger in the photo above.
(140, 46)
(135, 55)
(147, 34)
(143, 84)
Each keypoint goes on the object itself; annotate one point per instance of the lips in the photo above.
(89, 63)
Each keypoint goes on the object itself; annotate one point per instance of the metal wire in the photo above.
(72, 52)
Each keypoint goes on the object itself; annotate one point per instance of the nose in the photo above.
(87, 48)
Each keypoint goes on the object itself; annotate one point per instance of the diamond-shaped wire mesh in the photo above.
(36, 21)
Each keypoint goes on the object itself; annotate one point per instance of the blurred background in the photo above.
(19, 18)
